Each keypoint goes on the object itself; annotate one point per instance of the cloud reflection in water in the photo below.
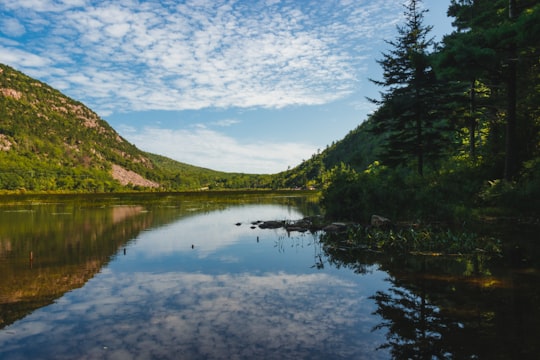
(197, 315)
(210, 232)
(164, 300)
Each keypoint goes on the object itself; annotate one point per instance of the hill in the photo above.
(50, 142)
(358, 149)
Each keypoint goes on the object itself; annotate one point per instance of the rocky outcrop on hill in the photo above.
(126, 177)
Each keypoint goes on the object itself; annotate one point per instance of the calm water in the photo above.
(175, 277)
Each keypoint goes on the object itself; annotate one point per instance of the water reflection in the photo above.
(52, 244)
(238, 292)
(416, 329)
(201, 316)
(191, 277)
(48, 250)
(464, 307)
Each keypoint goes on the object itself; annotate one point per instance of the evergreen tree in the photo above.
(465, 63)
(495, 47)
(407, 115)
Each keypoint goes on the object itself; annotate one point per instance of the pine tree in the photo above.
(407, 114)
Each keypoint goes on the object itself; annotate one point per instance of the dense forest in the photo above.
(457, 128)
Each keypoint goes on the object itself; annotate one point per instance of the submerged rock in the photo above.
(292, 228)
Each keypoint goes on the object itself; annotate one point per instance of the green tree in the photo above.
(460, 65)
(495, 47)
(407, 115)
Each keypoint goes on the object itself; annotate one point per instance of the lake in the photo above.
(192, 276)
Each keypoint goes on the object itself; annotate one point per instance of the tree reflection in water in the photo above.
(416, 328)
(472, 306)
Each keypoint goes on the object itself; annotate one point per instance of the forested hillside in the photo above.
(457, 125)
(357, 150)
(49, 142)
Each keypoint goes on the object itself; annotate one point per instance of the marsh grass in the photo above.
(424, 240)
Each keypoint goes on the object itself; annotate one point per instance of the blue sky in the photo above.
(251, 86)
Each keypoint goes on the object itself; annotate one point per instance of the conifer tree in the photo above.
(495, 46)
(465, 63)
(407, 115)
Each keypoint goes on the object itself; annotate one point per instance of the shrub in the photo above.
(356, 196)
(447, 194)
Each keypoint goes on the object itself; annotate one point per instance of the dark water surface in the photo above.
(175, 277)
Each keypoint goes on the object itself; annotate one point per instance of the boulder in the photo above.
(335, 227)
(271, 224)
(380, 221)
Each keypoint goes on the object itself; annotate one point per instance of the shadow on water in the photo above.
(51, 244)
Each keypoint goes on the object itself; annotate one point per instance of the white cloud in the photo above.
(12, 55)
(158, 55)
(12, 27)
(204, 147)
(226, 122)
(39, 5)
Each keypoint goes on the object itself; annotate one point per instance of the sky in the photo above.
(251, 86)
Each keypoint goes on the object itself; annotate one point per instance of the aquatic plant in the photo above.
(426, 240)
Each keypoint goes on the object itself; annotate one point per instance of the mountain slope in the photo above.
(51, 142)
(358, 149)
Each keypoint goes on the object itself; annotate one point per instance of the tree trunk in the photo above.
(419, 134)
(472, 122)
(510, 164)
